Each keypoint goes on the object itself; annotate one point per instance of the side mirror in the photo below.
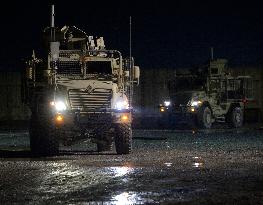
(136, 74)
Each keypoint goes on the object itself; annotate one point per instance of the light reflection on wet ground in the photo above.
(186, 167)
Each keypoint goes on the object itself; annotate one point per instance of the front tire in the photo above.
(204, 117)
(123, 138)
(43, 138)
(105, 144)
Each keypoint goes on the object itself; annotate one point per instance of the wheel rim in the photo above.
(238, 117)
(207, 117)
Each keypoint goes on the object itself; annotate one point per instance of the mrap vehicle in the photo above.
(210, 94)
(77, 91)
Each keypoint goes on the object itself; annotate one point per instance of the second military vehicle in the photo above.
(205, 95)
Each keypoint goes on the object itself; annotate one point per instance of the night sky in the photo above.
(164, 34)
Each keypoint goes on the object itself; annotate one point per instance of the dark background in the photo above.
(164, 33)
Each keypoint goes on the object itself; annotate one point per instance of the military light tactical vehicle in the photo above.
(203, 96)
(79, 91)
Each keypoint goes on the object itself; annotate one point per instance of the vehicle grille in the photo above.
(181, 99)
(98, 100)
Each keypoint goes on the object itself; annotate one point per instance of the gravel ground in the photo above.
(167, 167)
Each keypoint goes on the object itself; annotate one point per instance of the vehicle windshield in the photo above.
(99, 67)
(187, 83)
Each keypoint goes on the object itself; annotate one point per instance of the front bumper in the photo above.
(179, 110)
(178, 114)
(90, 119)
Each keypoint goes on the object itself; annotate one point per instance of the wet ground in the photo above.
(167, 167)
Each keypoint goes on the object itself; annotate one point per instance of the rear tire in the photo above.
(204, 117)
(104, 146)
(123, 138)
(236, 117)
(43, 138)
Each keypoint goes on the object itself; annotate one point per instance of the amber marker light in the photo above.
(59, 119)
(124, 118)
(162, 109)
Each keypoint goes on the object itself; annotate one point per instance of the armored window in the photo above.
(68, 67)
(231, 89)
(214, 71)
(99, 67)
(247, 87)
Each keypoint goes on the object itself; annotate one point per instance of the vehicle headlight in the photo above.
(167, 103)
(59, 105)
(196, 103)
(122, 105)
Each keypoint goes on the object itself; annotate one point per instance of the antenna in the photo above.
(130, 36)
(52, 16)
(52, 23)
(131, 63)
(131, 72)
(212, 53)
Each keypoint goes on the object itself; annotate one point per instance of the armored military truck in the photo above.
(202, 96)
(77, 91)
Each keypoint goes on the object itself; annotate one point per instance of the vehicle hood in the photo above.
(86, 84)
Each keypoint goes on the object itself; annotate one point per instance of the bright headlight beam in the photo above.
(121, 105)
(196, 103)
(60, 106)
(167, 103)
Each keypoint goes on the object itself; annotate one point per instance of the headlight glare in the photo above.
(167, 103)
(122, 104)
(58, 105)
(196, 103)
